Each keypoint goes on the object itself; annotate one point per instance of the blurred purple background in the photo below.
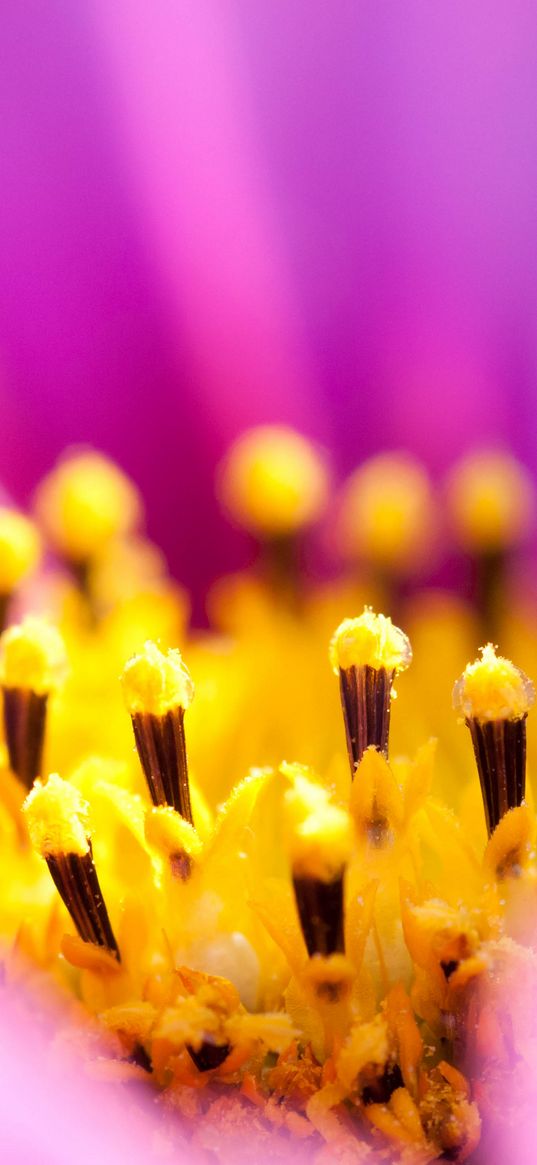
(216, 213)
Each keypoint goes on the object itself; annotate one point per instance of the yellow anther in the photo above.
(32, 656)
(369, 641)
(491, 499)
(387, 514)
(319, 833)
(492, 688)
(85, 501)
(274, 481)
(155, 682)
(20, 548)
(57, 818)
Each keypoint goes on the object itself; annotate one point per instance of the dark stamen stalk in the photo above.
(321, 913)
(161, 745)
(500, 753)
(24, 725)
(366, 700)
(76, 880)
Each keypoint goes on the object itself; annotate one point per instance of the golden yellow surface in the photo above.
(154, 681)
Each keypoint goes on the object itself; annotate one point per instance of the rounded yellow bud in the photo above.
(369, 641)
(32, 656)
(20, 548)
(387, 514)
(492, 688)
(490, 497)
(57, 818)
(85, 501)
(155, 682)
(273, 481)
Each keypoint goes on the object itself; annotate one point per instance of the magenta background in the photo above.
(216, 212)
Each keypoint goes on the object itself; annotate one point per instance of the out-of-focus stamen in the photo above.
(367, 653)
(319, 843)
(20, 549)
(32, 664)
(84, 502)
(57, 822)
(158, 689)
(494, 697)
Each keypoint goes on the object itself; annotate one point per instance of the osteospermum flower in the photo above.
(294, 947)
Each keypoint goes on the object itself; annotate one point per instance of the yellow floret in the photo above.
(492, 688)
(274, 481)
(387, 513)
(154, 682)
(57, 818)
(32, 656)
(319, 833)
(20, 548)
(369, 640)
(491, 499)
(167, 831)
(85, 501)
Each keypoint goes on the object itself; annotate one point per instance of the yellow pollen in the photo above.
(319, 833)
(274, 481)
(156, 682)
(57, 818)
(20, 548)
(369, 641)
(491, 500)
(32, 656)
(492, 688)
(167, 831)
(85, 501)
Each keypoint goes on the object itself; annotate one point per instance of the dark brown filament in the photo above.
(320, 909)
(500, 753)
(161, 745)
(25, 715)
(75, 878)
(366, 699)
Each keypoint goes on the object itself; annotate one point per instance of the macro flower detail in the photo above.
(320, 948)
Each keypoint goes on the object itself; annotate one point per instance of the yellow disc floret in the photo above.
(32, 656)
(274, 481)
(369, 641)
(319, 833)
(387, 513)
(20, 548)
(85, 501)
(155, 682)
(491, 500)
(492, 688)
(57, 818)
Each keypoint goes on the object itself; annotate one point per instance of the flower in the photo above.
(301, 944)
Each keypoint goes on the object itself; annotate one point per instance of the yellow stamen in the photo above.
(387, 513)
(492, 688)
(20, 547)
(491, 498)
(319, 832)
(369, 641)
(85, 501)
(274, 481)
(57, 818)
(32, 657)
(155, 683)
